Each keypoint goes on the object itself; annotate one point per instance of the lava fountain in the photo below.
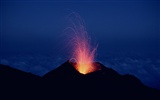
(83, 54)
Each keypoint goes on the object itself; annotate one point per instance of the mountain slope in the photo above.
(15, 83)
(66, 82)
(103, 83)
(9, 73)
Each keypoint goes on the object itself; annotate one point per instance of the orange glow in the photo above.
(83, 55)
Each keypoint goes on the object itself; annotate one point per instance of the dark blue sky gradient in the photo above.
(123, 29)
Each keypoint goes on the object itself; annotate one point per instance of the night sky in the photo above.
(127, 32)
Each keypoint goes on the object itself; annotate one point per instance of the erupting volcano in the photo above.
(83, 53)
(80, 77)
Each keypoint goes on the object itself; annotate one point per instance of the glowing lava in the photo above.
(83, 55)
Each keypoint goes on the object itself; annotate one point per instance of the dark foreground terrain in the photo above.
(67, 83)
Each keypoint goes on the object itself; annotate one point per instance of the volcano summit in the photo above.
(66, 82)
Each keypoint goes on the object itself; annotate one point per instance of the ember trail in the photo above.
(83, 53)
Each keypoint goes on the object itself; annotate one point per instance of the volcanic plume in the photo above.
(83, 53)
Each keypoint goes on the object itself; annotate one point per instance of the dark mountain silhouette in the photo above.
(8, 73)
(101, 84)
(65, 82)
(15, 83)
